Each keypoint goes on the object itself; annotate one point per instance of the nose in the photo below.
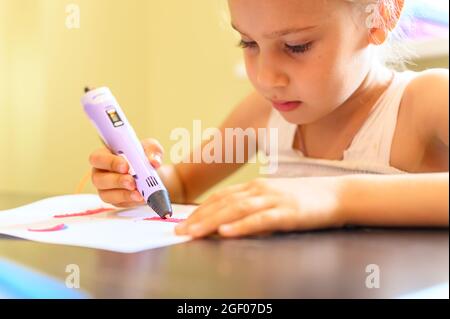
(270, 75)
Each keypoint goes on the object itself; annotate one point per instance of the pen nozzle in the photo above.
(159, 201)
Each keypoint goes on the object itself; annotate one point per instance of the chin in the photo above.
(300, 118)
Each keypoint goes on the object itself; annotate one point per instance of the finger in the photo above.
(152, 145)
(127, 204)
(206, 211)
(105, 160)
(200, 213)
(104, 180)
(231, 213)
(216, 202)
(117, 196)
(154, 151)
(219, 195)
(270, 220)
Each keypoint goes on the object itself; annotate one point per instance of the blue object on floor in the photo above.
(19, 282)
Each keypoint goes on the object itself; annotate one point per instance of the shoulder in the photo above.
(426, 101)
(429, 85)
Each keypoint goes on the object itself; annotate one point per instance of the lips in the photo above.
(286, 106)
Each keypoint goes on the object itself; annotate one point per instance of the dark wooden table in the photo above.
(321, 264)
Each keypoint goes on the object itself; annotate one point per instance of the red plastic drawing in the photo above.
(54, 228)
(85, 213)
(167, 220)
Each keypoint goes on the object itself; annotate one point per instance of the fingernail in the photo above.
(129, 185)
(194, 229)
(156, 157)
(226, 229)
(181, 227)
(136, 197)
(122, 168)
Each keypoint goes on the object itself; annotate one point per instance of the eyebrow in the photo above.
(278, 33)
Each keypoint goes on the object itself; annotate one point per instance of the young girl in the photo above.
(359, 144)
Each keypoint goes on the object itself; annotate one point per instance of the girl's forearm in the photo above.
(395, 200)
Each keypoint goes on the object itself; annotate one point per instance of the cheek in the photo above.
(346, 77)
(322, 85)
(347, 66)
(315, 79)
(331, 77)
(251, 68)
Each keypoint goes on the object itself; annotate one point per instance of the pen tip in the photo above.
(87, 89)
(168, 215)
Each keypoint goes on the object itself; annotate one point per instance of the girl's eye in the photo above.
(247, 44)
(299, 48)
(296, 49)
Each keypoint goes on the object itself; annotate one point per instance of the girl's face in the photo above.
(312, 51)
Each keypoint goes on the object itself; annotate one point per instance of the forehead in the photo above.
(266, 15)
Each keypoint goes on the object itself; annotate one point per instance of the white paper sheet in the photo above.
(122, 231)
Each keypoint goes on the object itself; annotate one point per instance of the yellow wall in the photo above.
(167, 61)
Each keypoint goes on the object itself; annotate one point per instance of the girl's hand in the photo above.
(267, 205)
(110, 174)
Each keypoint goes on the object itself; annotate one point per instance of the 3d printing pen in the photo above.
(112, 125)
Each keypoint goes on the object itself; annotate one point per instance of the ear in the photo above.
(378, 35)
(389, 14)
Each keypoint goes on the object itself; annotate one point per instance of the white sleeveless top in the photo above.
(368, 153)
